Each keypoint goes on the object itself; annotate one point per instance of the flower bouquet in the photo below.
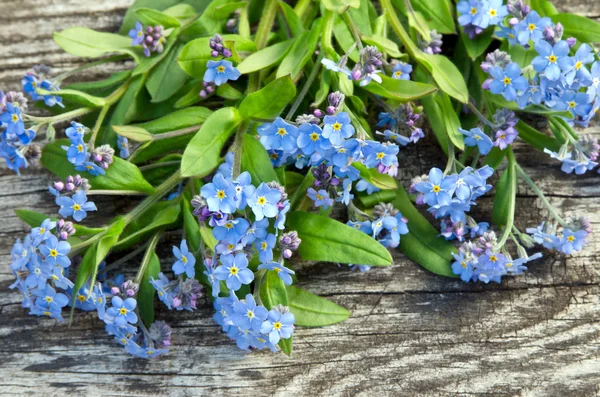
(265, 134)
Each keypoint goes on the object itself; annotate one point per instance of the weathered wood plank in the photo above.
(411, 332)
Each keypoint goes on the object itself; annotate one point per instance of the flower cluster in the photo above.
(401, 125)
(476, 15)
(39, 77)
(386, 226)
(366, 69)
(503, 128)
(451, 196)
(220, 71)
(152, 39)
(71, 197)
(481, 260)
(16, 141)
(96, 161)
(579, 156)
(571, 239)
(328, 147)
(247, 222)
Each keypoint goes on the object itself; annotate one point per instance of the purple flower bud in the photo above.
(330, 110)
(203, 94)
(63, 236)
(382, 169)
(420, 199)
(513, 21)
(214, 53)
(571, 41)
(356, 74)
(486, 84)
(115, 291)
(526, 10)
(70, 187)
(59, 186)
(70, 179)
(318, 113)
(334, 182)
(210, 89)
(227, 52)
(287, 254)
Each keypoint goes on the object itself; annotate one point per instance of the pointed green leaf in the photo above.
(270, 101)
(88, 43)
(266, 57)
(147, 292)
(311, 310)
(402, 90)
(256, 161)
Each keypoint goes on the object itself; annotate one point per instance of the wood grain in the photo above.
(411, 333)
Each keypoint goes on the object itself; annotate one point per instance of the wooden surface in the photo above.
(411, 333)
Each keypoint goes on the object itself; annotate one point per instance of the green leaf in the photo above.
(134, 133)
(158, 215)
(582, 28)
(266, 57)
(181, 11)
(286, 345)
(101, 88)
(299, 198)
(371, 175)
(159, 174)
(270, 101)
(451, 120)
(536, 109)
(272, 290)
(255, 160)
(202, 154)
(214, 17)
(121, 175)
(167, 78)
(506, 191)
(344, 38)
(184, 118)
(494, 157)
(152, 17)
(88, 43)
(146, 293)
(361, 16)
(417, 22)
(340, 6)
(78, 97)
(371, 200)
(291, 20)
(402, 90)
(422, 244)
(446, 75)
(130, 104)
(160, 5)
(301, 52)
(435, 115)
(543, 7)
(536, 139)
(384, 44)
(35, 219)
(196, 53)
(437, 13)
(477, 45)
(328, 240)
(191, 97)
(207, 236)
(311, 310)
(228, 92)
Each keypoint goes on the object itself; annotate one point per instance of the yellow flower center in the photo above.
(263, 245)
(314, 136)
(337, 126)
(229, 225)
(493, 258)
(233, 270)
(42, 230)
(76, 207)
(81, 298)
(281, 131)
(230, 246)
(509, 264)
(493, 13)
(380, 155)
(124, 341)
(184, 259)
(277, 325)
(398, 73)
(436, 189)
(319, 197)
(140, 33)
(261, 200)
(14, 118)
(89, 167)
(123, 311)
(572, 104)
(277, 270)
(506, 80)
(274, 156)
(473, 11)
(150, 352)
(464, 265)
(220, 69)
(552, 59)
(100, 300)
(49, 299)
(250, 314)
(80, 148)
(578, 65)
(571, 239)
(53, 253)
(531, 26)
(220, 194)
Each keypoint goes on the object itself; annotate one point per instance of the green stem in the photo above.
(481, 117)
(411, 47)
(147, 255)
(237, 149)
(450, 163)
(302, 94)
(100, 192)
(161, 190)
(77, 248)
(353, 29)
(466, 154)
(326, 43)
(60, 117)
(539, 193)
(176, 133)
(90, 65)
(158, 165)
(262, 37)
(110, 100)
(511, 202)
(124, 259)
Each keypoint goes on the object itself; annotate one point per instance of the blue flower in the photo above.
(594, 88)
(337, 128)
(364, 186)
(264, 202)
(578, 103)
(41, 233)
(77, 206)
(21, 253)
(310, 139)
(334, 66)
(508, 81)
(234, 271)
(572, 241)
(39, 273)
(122, 311)
(462, 267)
(232, 231)
(159, 285)
(401, 71)
(470, 12)
(100, 300)
(377, 153)
(11, 118)
(278, 325)
(185, 260)
(282, 215)
(345, 196)
(77, 153)
(49, 298)
(476, 137)
(123, 144)
(55, 252)
(438, 189)
(392, 136)
(90, 167)
(282, 272)
(137, 34)
(219, 195)
(532, 28)
(584, 55)
(51, 100)
(346, 153)
(265, 248)
(75, 131)
(220, 72)
(493, 12)
(243, 188)
(320, 198)
(278, 135)
(364, 226)
(248, 315)
(215, 283)
(258, 230)
(552, 60)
